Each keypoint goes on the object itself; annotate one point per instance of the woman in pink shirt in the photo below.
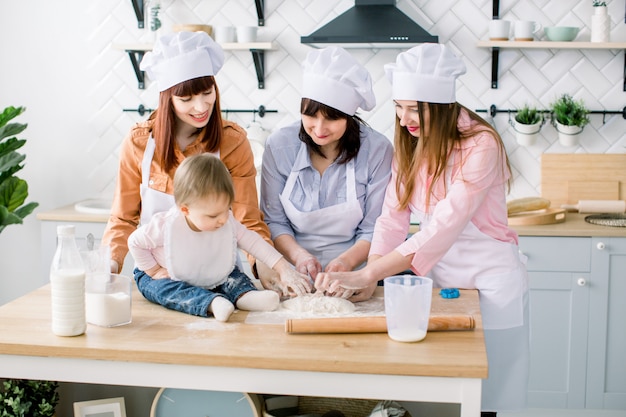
(451, 173)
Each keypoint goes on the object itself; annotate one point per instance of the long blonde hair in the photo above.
(434, 146)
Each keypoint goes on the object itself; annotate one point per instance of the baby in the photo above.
(185, 258)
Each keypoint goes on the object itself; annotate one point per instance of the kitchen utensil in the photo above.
(568, 177)
(407, 306)
(108, 300)
(187, 27)
(246, 34)
(499, 30)
(525, 30)
(546, 216)
(561, 33)
(611, 219)
(597, 206)
(520, 205)
(376, 324)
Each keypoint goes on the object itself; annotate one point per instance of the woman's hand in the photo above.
(332, 282)
(337, 265)
(307, 264)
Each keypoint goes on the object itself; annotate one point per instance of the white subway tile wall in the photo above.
(525, 76)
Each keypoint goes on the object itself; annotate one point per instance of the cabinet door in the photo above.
(559, 298)
(606, 382)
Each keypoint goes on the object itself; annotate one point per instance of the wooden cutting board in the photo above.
(547, 216)
(568, 178)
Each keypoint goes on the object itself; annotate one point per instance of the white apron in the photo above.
(497, 269)
(327, 232)
(152, 201)
(202, 259)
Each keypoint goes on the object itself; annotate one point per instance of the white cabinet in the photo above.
(578, 337)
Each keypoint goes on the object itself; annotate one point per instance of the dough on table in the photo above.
(317, 304)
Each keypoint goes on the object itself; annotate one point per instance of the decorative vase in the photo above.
(600, 24)
(568, 135)
(526, 135)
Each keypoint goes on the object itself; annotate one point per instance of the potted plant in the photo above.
(569, 117)
(527, 124)
(28, 398)
(13, 190)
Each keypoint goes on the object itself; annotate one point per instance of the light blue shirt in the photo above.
(313, 191)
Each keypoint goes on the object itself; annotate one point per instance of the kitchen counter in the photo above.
(574, 225)
(70, 214)
(164, 348)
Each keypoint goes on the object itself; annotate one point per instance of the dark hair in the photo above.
(350, 142)
(165, 120)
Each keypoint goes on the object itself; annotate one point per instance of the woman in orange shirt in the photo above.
(187, 122)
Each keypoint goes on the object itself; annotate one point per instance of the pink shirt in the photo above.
(476, 193)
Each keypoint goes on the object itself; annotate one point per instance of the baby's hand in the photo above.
(296, 282)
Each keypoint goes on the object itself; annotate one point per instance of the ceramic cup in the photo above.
(525, 30)
(108, 300)
(407, 307)
(499, 30)
(246, 34)
(224, 34)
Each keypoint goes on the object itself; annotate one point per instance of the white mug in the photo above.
(499, 30)
(246, 34)
(525, 30)
(224, 34)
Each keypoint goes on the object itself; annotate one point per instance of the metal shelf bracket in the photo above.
(260, 11)
(258, 56)
(138, 7)
(135, 59)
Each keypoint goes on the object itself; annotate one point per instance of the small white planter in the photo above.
(526, 135)
(568, 135)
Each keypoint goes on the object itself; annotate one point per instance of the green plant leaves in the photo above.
(13, 190)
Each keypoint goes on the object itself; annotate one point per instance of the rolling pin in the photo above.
(376, 324)
(597, 206)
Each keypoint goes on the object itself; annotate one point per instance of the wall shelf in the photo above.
(497, 45)
(257, 49)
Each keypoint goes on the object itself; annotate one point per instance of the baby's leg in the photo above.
(263, 300)
(221, 308)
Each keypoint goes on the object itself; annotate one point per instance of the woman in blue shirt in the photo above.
(324, 177)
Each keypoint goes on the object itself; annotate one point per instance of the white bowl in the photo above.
(561, 33)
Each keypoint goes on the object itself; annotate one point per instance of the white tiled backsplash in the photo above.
(525, 76)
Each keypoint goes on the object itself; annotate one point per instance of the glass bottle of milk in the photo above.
(67, 282)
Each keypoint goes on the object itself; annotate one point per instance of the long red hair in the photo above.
(165, 121)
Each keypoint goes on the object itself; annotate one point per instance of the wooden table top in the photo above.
(158, 335)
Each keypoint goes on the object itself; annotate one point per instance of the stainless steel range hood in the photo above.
(370, 23)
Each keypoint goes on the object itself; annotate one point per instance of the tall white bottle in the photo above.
(67, 282)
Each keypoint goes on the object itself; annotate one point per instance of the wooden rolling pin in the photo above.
(376, 324)
(597, 206)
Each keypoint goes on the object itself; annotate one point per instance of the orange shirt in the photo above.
(235, 152)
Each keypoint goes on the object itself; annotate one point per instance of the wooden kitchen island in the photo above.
(163, 348)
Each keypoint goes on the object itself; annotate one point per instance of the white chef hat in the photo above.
(334, 78)
(425, 73)
(182, 56)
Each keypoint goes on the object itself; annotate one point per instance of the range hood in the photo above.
(370, 23)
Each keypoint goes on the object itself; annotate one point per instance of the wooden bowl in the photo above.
(193, 28)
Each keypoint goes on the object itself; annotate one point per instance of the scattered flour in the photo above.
(317, 304)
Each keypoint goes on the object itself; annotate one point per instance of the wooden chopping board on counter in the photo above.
(568, 178)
